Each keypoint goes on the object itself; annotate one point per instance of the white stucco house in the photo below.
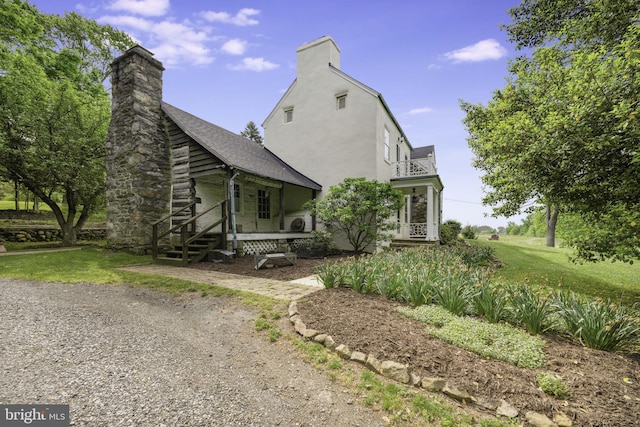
(203, 182)
(330, 126)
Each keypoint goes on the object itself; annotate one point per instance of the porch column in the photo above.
(431, 232)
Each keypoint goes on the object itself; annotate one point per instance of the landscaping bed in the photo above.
(603, 387)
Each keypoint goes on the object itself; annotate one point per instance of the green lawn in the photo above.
(43, 219)
(528, 259)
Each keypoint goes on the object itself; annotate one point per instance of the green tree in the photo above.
(252, 133)
(54, 108)
(360, 209)
(571, 23)
(564, 131)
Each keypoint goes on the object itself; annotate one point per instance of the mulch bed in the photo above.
(598, 392)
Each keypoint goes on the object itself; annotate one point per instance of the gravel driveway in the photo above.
(123, 356)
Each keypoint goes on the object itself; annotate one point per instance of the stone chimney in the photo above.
(317, 55)
(137, 152)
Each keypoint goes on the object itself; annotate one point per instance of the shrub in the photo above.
(552, 384)
(598, 324)
(490, 302)
(319, 245)
(449, 232)
(331, 274)
(530, 309)
(453, 291)
(474, 256)
(468, 232)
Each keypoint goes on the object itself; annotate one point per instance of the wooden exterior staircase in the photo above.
(192, 246)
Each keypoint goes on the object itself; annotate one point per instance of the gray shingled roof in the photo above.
(236, 151)
(422, 152)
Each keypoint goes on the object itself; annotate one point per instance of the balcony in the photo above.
(413, 168)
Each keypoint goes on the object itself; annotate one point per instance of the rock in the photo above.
(299, 327)
(320, 338)
(343, 351)
(396, 371)
(359, 357)
(329, 342)
(434, 384)
(486, 404)
(294, 318)
(457, 394)
(562, 419)
(539, 420)
(293, 308)
(414, 379)
(507, 410)
(373, 363)
(310, 333)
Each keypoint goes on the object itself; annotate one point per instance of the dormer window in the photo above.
(288, 115)
(341, 101)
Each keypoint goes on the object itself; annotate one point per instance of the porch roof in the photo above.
(236, 151)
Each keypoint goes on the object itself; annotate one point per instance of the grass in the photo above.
(45, 217)
(527, 259)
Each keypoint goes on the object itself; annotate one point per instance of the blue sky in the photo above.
(229, 62)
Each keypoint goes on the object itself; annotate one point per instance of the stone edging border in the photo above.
(402, 374)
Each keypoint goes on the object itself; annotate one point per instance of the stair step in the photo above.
(178, 254)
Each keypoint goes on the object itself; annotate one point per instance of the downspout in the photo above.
(232, 208)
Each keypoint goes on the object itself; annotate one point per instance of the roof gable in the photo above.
(422, 152)
(236, 151)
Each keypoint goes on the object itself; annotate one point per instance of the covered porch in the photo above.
(421, 216)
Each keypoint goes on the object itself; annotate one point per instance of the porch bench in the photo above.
(262, 260)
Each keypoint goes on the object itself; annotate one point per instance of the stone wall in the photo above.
(47, 234)
(138, 153)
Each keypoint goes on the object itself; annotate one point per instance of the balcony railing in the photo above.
(413, 168)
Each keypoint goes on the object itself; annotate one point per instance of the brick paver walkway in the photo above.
(271, 288)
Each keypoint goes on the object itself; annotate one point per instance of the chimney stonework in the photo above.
(138, 189)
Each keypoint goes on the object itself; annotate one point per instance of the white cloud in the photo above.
(173, 43)
(234, 47)
(255, 64)
(481, 51)
(141, 7)
(422, 110)
(241, 19)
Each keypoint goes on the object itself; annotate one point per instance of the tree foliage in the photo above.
(360, 209)
(54, 109)
(564, 130)
(252, 133)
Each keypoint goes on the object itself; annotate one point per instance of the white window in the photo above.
(264, 204)
(341, 102)
(237, 197)
(387, 149)
(288, 115)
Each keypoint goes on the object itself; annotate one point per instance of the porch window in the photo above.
(264, 204)
(237, 197)
(387, 148)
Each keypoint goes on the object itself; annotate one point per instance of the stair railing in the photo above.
(188, 236)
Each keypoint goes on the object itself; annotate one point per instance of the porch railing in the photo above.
(413, 168)
(418, 229)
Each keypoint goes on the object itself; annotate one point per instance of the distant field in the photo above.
(528, 259)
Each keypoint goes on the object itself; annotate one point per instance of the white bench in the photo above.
(262, 260)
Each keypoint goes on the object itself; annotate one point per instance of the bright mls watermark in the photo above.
(34, 415)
